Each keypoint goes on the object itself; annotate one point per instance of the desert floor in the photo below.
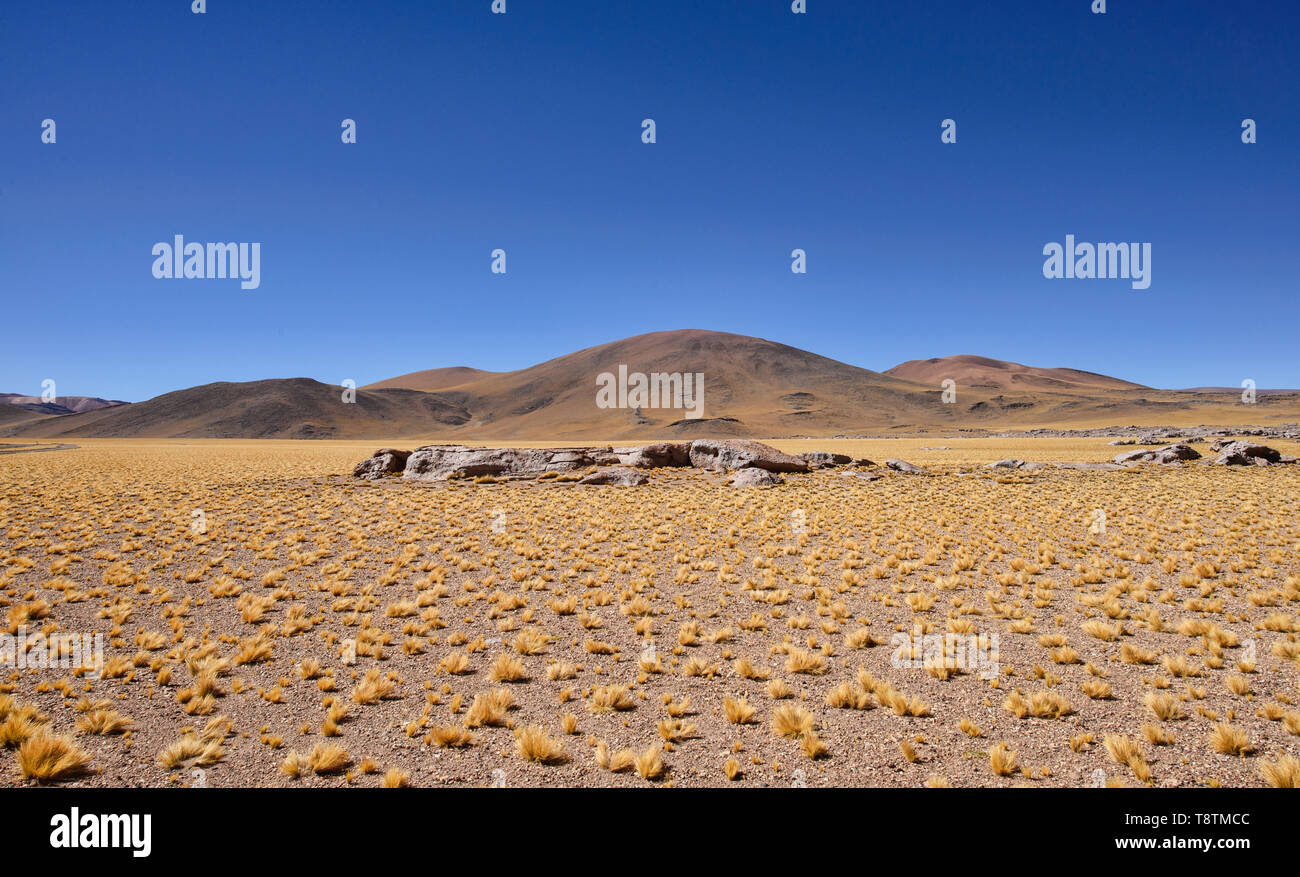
(680, 633)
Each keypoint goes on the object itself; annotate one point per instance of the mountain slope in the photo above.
(751, 387)
(979, 371)
(282, 408)
(59, 405)
(432, 379)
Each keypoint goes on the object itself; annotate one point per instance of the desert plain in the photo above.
(269, 620)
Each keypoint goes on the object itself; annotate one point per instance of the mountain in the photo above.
(59, 405)
(12, 414)
(978, 371)
(752, 387)
(431, 379)
(282, 408)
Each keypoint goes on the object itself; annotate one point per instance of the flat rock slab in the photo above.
(904, 466)
(1166, 454)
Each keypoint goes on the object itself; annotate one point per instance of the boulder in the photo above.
(440, 462)
(753, 477)
(725, 455)
(1166, 454)
(617, 475)
(1005, 464)
(382, 462)
(655, 455)
(904, 466)
(862, 461)
(1244, 454)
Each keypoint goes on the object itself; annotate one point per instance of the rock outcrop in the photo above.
(655, 455)
(727, 455)
(1166, 454)
(1242, 453)
(440, 462)
(385, 461)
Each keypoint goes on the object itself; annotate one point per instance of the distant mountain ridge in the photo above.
(751, 387)
(59, 405)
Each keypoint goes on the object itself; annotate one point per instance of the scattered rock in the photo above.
(382, 462)
(904, 466)
(725, 455)
(753, 477)
(862, 461)
(616, 475)
(1244, 454)
(824, 459)
(1166, 454)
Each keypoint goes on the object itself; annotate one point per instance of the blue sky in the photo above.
(523, 131)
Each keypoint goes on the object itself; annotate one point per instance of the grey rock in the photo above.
(754, 477)
(904, 466)
(440, 462)
(1166, 454)
(824, 459)
(382, 462)
(653, 456)
(616, 475)
(1245, 453)
(725, 455)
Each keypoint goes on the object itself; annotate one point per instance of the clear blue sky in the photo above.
(522, 131)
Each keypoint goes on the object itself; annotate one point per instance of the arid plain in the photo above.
(271, 621)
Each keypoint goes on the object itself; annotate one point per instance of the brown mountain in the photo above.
(432, 379)
(979, 371)
(12, 414)
(752, 387)
(284, 408)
